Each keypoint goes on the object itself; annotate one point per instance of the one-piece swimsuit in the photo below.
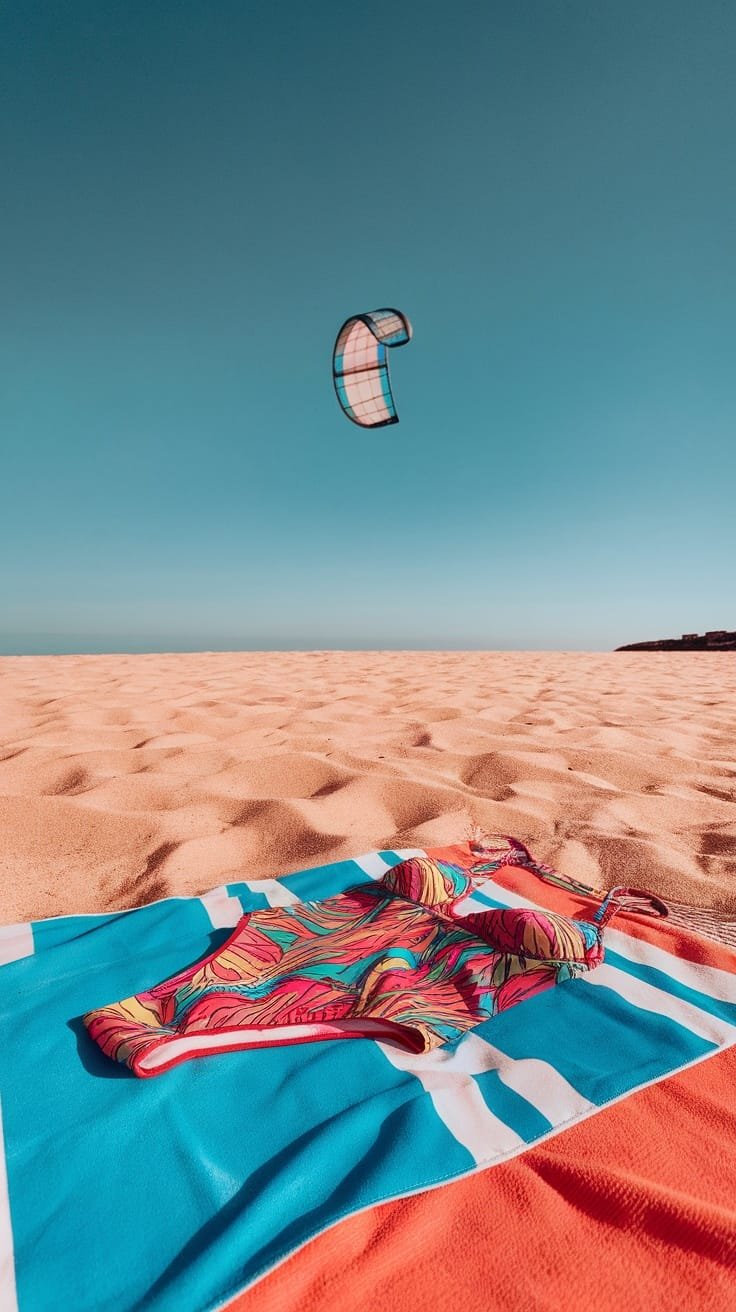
(389, 959)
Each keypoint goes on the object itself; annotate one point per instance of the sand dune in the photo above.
(128, 778)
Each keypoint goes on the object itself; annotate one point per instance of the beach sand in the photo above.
(127, 778)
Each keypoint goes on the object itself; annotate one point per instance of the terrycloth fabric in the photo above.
(634, 1208)
(388, 960)
(178, 1192)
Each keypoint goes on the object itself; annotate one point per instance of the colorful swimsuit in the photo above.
(389, 960)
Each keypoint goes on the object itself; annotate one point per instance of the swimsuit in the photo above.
(388, 960)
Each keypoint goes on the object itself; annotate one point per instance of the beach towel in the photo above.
(181, 1191)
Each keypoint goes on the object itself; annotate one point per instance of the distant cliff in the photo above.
(715, 640)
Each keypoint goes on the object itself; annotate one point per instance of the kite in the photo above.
(360, 366)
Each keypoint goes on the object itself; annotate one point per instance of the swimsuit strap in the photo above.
(514, 853)
(628, 899)
(618, 899)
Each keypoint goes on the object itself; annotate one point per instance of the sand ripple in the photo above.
(127, 778)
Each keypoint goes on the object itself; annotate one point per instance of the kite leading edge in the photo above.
(360, 366)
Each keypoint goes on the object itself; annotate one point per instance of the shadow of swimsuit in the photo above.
(389, 960)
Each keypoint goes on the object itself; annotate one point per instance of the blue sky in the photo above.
(196, 196)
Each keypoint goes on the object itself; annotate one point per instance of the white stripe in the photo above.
(649, 998)
(458, 1101)
(275, 893)
(710, 980)
(16, 942)
(467, 905)
(534, 1080)
(372, 864)
(8, 1297)
(469, 1119)
(471, 902)
(223, 910)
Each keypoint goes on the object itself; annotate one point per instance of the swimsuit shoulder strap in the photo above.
(514, 853)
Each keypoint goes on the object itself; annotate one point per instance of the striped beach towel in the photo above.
(180, 1192)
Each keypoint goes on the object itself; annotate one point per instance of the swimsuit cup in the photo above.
(387, 960)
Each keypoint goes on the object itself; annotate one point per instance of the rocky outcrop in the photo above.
(714, 640)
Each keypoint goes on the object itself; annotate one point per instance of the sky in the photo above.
(196, 196)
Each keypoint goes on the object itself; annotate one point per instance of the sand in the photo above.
(129, 778)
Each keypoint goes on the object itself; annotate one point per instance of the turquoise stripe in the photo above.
(512, 1109)
(600, 1043)
(251, 901)
(328, 881)
(85, 938)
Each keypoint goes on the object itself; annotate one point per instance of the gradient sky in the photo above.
(195, 195)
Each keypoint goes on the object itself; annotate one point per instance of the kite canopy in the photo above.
(360, 366)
